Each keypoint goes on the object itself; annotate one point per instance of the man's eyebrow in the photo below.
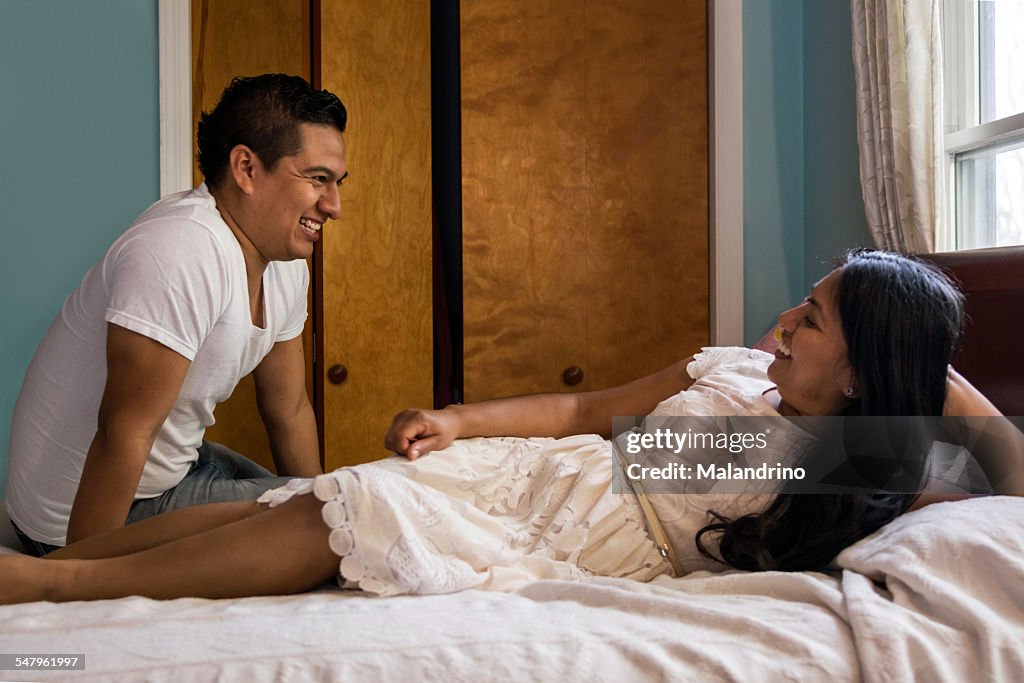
(326, 171)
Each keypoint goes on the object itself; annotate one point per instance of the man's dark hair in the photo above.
(263, 113)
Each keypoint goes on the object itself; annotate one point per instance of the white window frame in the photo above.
(962, 133)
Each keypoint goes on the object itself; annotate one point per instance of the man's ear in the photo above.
(243, 162)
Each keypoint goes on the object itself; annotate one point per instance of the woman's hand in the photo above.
(417, 432)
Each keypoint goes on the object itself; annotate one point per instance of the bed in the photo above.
(937, 595)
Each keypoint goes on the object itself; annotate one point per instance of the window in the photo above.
(983, 54)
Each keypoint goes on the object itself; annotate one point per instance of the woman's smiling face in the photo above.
(811, 370)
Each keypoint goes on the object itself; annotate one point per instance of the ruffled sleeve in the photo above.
(713, 358)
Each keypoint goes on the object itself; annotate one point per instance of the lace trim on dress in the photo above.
(485, 513)
(412, 560)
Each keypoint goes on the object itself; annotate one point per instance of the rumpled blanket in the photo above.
(938, 595)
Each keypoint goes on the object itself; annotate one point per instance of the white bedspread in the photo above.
(950, 606)
(937, 595)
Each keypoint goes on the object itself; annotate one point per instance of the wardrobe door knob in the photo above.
(337, 373)
(573, 375)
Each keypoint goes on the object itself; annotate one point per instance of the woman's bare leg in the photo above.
(281, 551)
(163, 528)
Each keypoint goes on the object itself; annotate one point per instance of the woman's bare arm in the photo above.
(415, 432)
(992, 439)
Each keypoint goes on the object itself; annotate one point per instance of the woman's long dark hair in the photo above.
(902, 320)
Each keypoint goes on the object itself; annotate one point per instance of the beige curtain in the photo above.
(897, 61)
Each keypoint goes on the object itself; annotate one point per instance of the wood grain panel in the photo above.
(242, 38)
(376, 258)
(524, 195)
(584, 190)
(647, 183)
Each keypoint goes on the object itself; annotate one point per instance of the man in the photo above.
(205, 287)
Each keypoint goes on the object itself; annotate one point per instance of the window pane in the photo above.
(1001, 48)
(990, 196)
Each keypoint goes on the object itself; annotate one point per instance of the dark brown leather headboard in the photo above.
(992, 353)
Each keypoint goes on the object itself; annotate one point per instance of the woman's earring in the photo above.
(850, 392)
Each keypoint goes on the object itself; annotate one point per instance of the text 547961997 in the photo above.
(42, 662)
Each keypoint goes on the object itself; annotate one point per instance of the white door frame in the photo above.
(175, 96)
(726, 175)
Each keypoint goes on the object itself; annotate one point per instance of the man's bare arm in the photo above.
(144, 378)
(286, 410)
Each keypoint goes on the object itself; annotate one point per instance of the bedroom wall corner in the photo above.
(80, 134)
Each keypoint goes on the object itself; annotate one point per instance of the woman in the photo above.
(493, 512)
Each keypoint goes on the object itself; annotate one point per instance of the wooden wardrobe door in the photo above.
(375, 55)
(243, 38)
(585, 191)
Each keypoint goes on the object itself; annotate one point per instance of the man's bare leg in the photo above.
(281, 551)
(164, 528)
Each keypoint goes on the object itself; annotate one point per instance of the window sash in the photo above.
(964, 28)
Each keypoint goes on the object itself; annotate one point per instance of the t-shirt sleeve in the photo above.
(296, 281)
(168, 280)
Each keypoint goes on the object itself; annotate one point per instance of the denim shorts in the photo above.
(219, 475)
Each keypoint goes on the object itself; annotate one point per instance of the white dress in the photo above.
(495, 513)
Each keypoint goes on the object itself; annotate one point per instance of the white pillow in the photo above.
(966, 543)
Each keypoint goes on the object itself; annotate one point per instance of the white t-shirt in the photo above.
(177, 275)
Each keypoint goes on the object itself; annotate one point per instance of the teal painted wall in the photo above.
(834, 219)
(802, 201)
(773, 161)
(79, 157)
